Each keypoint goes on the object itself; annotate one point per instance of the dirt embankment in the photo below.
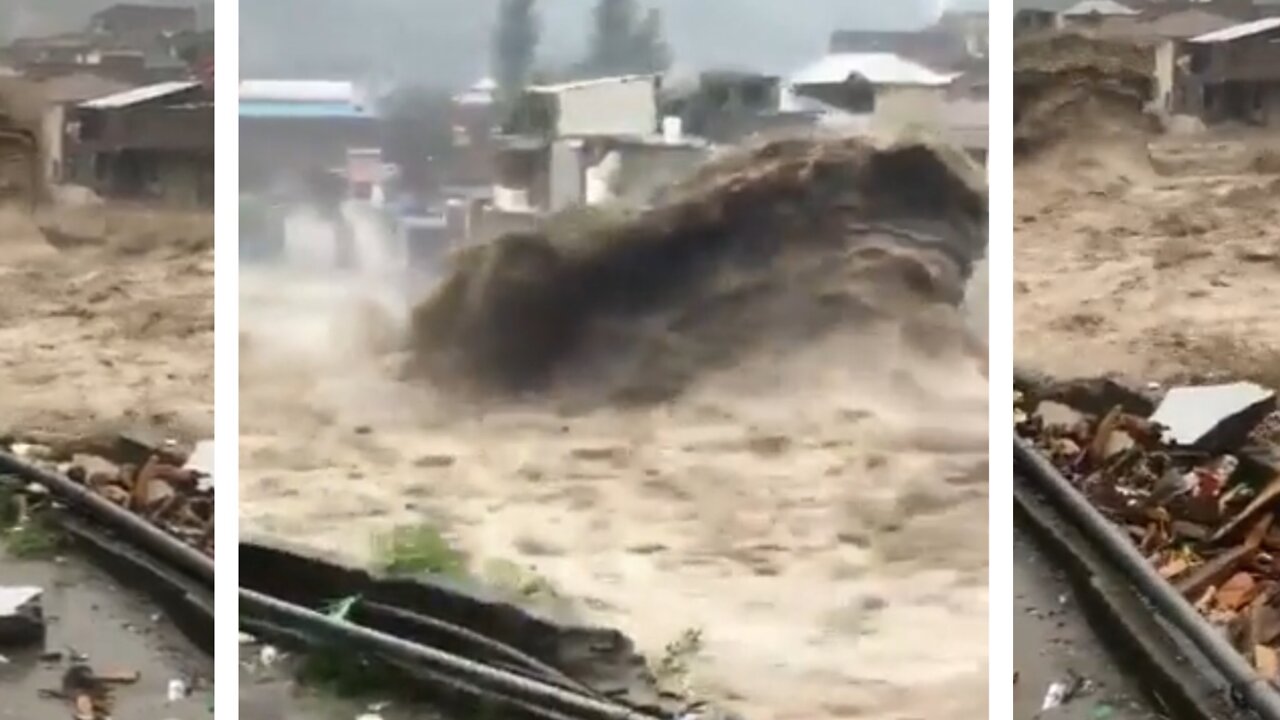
(1139, 250)
(753, 417)
(107, 322)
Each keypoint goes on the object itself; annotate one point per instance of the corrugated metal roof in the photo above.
(299, 90)
(81, 86)
(286, 109)
(581, 84)
(1187, 24)
(146, 93)
(877, 68)
(1099, 7)
(1243, 30)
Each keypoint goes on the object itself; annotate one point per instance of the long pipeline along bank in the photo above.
(445, 644)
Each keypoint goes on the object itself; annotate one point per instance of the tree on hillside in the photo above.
(649, 44)
(515, 44)
(417, 134)
(625, 41)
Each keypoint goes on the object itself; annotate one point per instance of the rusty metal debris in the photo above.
(90, 694)
(158, 482)
(1199, 501)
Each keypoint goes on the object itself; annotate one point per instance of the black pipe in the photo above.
(144, 533)
(530, 664)
(1215, 647)
(503, 682)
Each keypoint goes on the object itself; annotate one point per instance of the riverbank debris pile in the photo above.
(1192, 475)
(168, 486)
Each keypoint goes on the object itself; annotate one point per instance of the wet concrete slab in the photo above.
(1052, 639)
(119, 631)
(272, 694)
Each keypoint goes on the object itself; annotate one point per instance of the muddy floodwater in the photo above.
(784, 460)
(88, 614)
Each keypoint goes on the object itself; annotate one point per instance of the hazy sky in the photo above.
(446, 42)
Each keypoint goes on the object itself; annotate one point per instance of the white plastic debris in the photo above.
(201, 460)
(177, 690)
(1055, 697)
(1193, 415)
(268, 655)
(21, 615)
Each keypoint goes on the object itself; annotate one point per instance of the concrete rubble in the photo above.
(1194, 485)
(1217, 416)
(169, 487)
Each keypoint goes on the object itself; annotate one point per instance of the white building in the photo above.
(876, 91)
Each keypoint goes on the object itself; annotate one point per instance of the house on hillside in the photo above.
(138, 25)
(153, 143)
(133, 44)
(295, 131)
(1107, 16)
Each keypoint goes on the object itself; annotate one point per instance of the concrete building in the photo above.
(726, 106)
(293, 131)
(625, 105)
(889, 91)
(61, 96)
(473, 120)
(589, 143)
(153, 143)
(1232, 74)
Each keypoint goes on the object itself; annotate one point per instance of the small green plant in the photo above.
(10, 507)
(419, 550)
(672, 669)
(35, 539)
(26, 535)
(514, 579)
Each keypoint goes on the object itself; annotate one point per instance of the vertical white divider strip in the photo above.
(226, 357)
